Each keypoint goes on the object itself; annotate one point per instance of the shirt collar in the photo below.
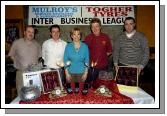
(129, 35)
(59, 40)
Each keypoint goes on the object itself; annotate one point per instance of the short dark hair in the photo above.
(54, 26)
(32, 26)
(130, 18)
(95, 20)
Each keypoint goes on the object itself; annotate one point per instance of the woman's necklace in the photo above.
(77, 46)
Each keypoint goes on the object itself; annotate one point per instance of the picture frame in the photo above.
(127, 75)
(50, 80)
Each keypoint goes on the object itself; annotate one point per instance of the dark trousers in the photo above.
(93, 74)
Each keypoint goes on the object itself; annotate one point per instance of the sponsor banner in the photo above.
(78, 15)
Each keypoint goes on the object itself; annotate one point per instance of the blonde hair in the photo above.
(75, 29)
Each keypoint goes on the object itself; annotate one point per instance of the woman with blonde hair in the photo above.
(76, 56)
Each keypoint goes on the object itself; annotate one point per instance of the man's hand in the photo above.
(109, 53)
(68, 76)
(140, 68)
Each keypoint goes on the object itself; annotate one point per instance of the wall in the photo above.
(146, 22)
(14, 15)
(14, 12)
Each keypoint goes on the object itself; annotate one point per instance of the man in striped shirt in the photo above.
(131, 47)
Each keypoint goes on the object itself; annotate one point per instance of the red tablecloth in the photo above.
(90, 98)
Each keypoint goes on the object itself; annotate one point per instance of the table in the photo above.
(119, 97)
(139, 98)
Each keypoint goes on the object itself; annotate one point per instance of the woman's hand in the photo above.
(84, 76)
(68, 76)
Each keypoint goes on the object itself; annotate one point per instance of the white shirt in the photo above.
(53, 52)
(129, 35)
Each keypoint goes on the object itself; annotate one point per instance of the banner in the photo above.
(78, 15)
